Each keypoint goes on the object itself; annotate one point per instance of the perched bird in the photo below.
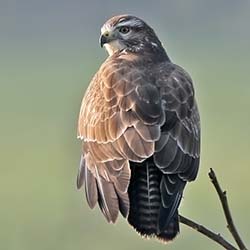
(140, 131)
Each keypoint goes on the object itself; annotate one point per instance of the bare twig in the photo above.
(230, 224)
(211, 235)
(223, 198)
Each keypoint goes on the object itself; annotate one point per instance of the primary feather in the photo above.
(140, 130)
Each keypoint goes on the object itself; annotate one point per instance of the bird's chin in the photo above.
(113, 47)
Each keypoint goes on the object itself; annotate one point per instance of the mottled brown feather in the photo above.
(131, 113)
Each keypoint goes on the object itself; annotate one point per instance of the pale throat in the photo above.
(114, 46)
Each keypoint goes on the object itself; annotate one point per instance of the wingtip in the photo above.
(79, 183)
(81, 174)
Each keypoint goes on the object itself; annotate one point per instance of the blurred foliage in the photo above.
(49, 52)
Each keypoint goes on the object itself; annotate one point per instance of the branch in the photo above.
(223, 199)
(230, 224)
(211, 235)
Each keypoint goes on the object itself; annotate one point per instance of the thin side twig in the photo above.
(224, 202)
(208, 233)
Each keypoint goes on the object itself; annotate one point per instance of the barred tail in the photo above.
(146, 208)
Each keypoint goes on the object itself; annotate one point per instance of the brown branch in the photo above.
(230, 224)
(211, 235)
(223, 199)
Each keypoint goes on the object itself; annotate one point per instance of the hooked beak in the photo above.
(103, 39)
(106, 37)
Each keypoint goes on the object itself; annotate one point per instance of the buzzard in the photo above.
(140, 131)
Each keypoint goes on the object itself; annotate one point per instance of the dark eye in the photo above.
(124, 30)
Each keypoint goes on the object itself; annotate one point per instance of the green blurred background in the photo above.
(48, 53)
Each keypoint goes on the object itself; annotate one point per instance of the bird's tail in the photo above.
(146, 208)
(171, 230)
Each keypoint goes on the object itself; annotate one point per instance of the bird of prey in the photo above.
(140, 131)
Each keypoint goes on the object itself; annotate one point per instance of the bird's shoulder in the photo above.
(170, 76)
(166, 76)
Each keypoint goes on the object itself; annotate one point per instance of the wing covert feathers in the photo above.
(140, 132)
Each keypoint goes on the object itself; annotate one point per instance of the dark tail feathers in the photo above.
(172, 229)
(146, 203)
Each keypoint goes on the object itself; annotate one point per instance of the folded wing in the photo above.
(120, 120)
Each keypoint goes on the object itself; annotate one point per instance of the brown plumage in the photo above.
(140, 129)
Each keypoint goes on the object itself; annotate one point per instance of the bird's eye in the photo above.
(124, 30)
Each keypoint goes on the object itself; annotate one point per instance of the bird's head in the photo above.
(129, 33)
